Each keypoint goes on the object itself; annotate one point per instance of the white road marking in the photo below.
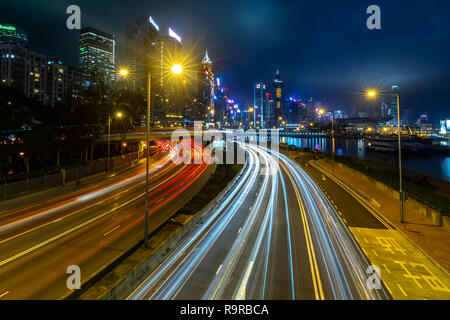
(243, 287)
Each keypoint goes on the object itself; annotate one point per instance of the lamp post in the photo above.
(118, 115)
(322, 112)
(397, 93)
(332, 140)
(176, 69)
(147, 177)
(395, 90)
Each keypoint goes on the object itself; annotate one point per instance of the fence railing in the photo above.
(30, 185)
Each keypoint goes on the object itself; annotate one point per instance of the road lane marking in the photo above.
(401, 289)
(309, 244)
(388, 288)
(39, 245)
(86, 208)
(218, 270)
(356, 196)
(105, 234)
(418, 276)
(241, 293)
(4, 294)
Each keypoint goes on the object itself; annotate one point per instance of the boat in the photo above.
(412, 144)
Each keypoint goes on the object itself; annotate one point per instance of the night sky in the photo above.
(322, 47)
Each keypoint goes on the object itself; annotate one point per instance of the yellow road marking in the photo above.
(218, 270)
(309, 244)
(105, 234)
(387, 288)
(39, 245)
(401, 289)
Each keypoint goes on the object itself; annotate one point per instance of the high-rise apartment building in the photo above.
(56, 82)
(23, 69)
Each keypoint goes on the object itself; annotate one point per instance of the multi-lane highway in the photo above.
(89, 227)
(274, 235)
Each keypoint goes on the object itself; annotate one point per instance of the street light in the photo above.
(117, 115)
(123, 72)
(177, 69)
(373, 94)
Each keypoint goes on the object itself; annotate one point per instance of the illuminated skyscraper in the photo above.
(141, 52)
(10, 34)
(207, 87)
(23, 69)
(97, 56)
(56, 81)
(168, 86)
(278, 88)
(258, 104)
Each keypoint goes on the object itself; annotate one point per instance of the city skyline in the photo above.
(412, 54)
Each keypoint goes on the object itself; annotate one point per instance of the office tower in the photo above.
(384, 109)
(97, 57)
(24, 70)
(258, 104)
(269, 110)
(168, 94)
(220, 102)
(142, 59)
(141, 42)
(392, 112)
(278, 88)
(409, 117)
(10, 34)
(207, 87)
(293, 112)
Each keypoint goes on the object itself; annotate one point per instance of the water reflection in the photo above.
(436, 166)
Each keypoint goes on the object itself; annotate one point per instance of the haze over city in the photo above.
(322, 49)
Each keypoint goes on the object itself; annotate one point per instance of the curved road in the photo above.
(90, 227)
(274, 235)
